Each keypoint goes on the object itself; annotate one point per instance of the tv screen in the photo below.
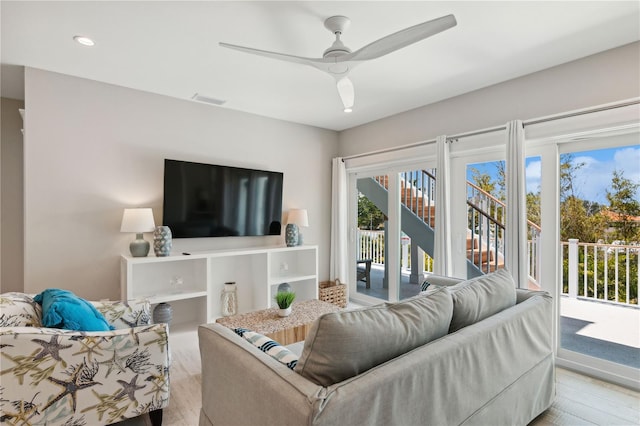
(206, 200)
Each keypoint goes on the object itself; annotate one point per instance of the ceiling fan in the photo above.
(338, 59)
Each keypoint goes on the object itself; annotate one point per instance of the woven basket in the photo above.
(333, 292)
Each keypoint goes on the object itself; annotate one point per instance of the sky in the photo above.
(592, 179)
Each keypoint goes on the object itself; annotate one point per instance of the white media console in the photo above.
(193, 283)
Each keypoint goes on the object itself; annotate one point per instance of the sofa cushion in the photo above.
(269, 346)
(344, 344)
(63, 309)
(481, 297)
(19, 310)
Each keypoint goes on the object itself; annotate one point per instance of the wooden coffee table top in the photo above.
(268, 322)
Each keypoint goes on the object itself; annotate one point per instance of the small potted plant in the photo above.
(284, 299)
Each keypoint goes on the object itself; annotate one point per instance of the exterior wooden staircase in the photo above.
(417, 193)
(485, 216)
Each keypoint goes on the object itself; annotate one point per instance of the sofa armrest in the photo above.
(52, 376)
(242, 385)
(127, 314)
(442, 280)
(524, 294)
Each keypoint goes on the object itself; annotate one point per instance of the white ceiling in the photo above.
(171, 48)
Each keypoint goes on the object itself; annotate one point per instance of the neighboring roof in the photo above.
(616, 217)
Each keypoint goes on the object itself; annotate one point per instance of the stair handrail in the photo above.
(535, 229)
(498, 201)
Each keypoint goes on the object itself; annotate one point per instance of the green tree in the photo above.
(579, 218)
(533, 207)
(482, 180)
(369, 216)
(624, 202)
(501, 167)
(576, 223)
(568, 169)
(592, 207)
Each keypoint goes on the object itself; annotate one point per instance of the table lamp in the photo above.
(296, 219)
(138, 221)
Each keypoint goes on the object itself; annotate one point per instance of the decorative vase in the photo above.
(229, 299)
(284, 287)
(291, 235)
(163, 312)
(162, 241)
(284, 312)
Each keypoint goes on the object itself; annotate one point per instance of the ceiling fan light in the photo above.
(85, 41)
(348, 110)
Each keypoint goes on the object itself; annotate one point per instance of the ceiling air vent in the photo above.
(207, 99)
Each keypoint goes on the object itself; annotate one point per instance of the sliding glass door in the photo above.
(393, 220)
(599, 204)
(590, 240)
(371, 265)
(583, 246)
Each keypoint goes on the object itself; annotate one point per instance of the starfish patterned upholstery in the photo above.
(55, 377)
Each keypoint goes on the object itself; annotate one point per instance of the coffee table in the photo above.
(287, 330)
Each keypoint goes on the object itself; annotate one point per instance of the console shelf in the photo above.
(193, 283)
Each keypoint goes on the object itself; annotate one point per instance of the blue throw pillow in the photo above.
(63, 309)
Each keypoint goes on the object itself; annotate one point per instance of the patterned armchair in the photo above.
(62, 377)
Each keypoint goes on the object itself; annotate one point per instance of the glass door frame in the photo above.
(475, 149)
(607, 370)
(392, 170)
(545, 138)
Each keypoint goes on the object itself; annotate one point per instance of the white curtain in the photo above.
(339, 230)
(516, 217)
(442, 247)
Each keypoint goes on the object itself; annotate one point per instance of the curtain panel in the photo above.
(516, 217)
(339, 222)
(442, 258)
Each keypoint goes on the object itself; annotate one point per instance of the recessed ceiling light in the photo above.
(85, 41)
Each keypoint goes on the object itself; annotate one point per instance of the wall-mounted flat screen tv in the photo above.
(206, 200)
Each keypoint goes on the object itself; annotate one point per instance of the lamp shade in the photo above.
(299, 217)
(137, 220)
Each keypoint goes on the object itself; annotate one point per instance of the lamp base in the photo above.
(139, 247)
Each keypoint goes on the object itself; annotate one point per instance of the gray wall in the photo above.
(92, 149)
(11, 197)
(606, 77)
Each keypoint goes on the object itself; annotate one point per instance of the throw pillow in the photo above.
(270, 347)
(481, 297)
(344, 344)
(19, 310)
(63, 309)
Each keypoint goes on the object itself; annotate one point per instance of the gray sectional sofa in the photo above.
(477, 352)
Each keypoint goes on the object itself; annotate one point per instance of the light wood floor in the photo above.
(580, 400)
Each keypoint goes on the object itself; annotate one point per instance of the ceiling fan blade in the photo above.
(273, 55)
(401, 39)
(346, 92)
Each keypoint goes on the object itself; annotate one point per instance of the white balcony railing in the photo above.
(371, 246)
(603, 272)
